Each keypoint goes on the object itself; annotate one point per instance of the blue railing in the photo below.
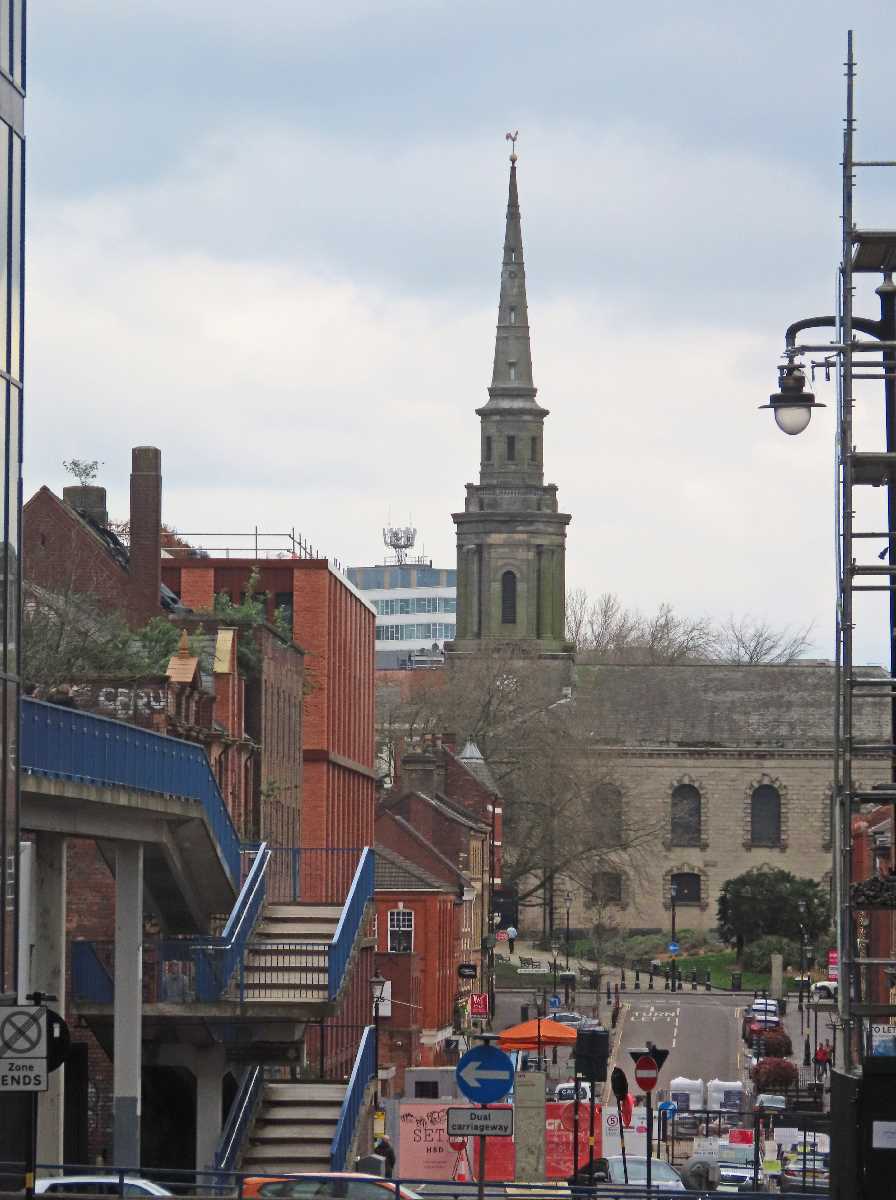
(62, 743)
(239, 1119)
(312, 874)
(353, 1101)
(91, 979)
(360, 894)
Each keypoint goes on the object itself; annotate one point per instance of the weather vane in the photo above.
(511, 137)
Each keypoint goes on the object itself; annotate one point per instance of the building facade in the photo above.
(12, 259)
(706, 771)
(511, 536)
(333, 622)
(416, 606)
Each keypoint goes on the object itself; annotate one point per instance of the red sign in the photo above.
(457, 1143)
(743, 1137)
(501, 935)
(646, 1073)
(479, 1004)
(833, 964)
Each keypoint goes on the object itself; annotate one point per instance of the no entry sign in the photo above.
(646, 1072)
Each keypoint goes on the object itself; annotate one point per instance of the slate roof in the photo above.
(471, 758)
(397, 874)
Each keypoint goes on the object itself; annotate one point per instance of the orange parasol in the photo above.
(533, 1035)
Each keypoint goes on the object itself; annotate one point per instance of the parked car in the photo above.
(808, 1173)
(98, 1185)
(567, 1018)
(824, 989)
(736, 1169)
(663, 1177)
(769, 1102)
(341, 1185)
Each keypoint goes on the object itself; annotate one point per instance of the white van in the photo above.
(689, 1096)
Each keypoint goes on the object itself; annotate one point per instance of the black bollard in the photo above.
(708, 982)
(650, 981)
(622, 980)
(637, 980)
(693, 981)
(666, 987)
(608, 991)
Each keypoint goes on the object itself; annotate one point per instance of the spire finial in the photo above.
(511, 137)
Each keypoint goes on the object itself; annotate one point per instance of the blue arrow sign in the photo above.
(668, 1106)
(553, 1001)
(485, 1074)
(673, 947)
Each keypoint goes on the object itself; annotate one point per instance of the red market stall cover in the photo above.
(424, 1152)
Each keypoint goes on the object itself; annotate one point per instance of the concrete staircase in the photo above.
(294, 1128)
(287, 958)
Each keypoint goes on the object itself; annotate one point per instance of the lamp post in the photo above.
(568, 907)
(673, 892)
(801, 905)
(377, 987)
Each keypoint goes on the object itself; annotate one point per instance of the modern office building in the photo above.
(12, 237)
(415, 607)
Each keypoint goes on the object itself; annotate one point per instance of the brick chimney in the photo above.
(422, 772)
(89, 501)
(146, 533)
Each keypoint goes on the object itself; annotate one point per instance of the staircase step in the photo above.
(264, 1153)
(293, 931)
(264, 1133)
(297, 912)
(313, 953)
(304, 1092)
(290, 1112)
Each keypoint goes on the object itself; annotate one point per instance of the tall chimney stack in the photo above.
(89, 501)
(146, 533)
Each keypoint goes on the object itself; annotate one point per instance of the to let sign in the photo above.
(480, 1122)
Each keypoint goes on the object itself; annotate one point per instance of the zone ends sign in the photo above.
(22, 1075)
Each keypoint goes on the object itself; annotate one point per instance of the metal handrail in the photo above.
(362, 1073)
(239, 1118)
(359, 895)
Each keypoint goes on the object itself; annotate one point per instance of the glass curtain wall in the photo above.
(12, 232)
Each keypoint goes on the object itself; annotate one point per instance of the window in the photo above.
(687, 887)
(512, 316)
(488, 447)
(512, 254)
(533, 449)
(508, 598)
(511, 366)
(606, 886)
(765, 816)
(607, 807)
(426, 1089)
(685, 816)
(511, 448)
(401, 931)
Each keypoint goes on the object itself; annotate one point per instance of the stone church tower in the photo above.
(511, 539)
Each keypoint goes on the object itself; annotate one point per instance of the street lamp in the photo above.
(673, 892)
(792, 404)
(801, 905)
(568, 907)
(377, 988)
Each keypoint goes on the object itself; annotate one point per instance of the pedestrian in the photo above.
(383, 1147)
(512, 935)
(823, 1055)
(818, 1061)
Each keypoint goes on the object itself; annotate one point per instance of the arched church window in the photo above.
(511, 448)
(685, 829)
(508, 598)
(765, 816)
(513, 316)
(533, 449)
(687, 887)
(488, 448)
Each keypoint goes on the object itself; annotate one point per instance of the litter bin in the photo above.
(736, 981)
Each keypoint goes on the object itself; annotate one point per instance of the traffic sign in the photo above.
(619, 1083)
(466, 970)
(646, 1073)
(479, 1122)
(553, 1001)
(457, 1144)
(23, 1049)
(668, 1106)
(673, 947)
(485, 1074)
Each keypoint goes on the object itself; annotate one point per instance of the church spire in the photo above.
(512, 372)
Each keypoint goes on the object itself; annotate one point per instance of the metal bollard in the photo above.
(622, 980)
(608, 991)
(666, 988)
(693, 981)
(708, 983)
(637, 980)
(650, 981)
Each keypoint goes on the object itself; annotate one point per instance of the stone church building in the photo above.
(715, 768)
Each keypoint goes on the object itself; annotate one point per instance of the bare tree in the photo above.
(750, 640)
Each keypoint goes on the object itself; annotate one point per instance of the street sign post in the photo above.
(485, 1074)
(673, 947)
(480, 1122)
(647, 1068)
(646, 1073)
(553, 1002)
(23, 1049)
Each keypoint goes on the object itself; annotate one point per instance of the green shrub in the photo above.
(757, 956)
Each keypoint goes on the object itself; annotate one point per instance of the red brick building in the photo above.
(872, 856)
(334, 624)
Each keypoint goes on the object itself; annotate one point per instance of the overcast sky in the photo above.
(266, 237)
